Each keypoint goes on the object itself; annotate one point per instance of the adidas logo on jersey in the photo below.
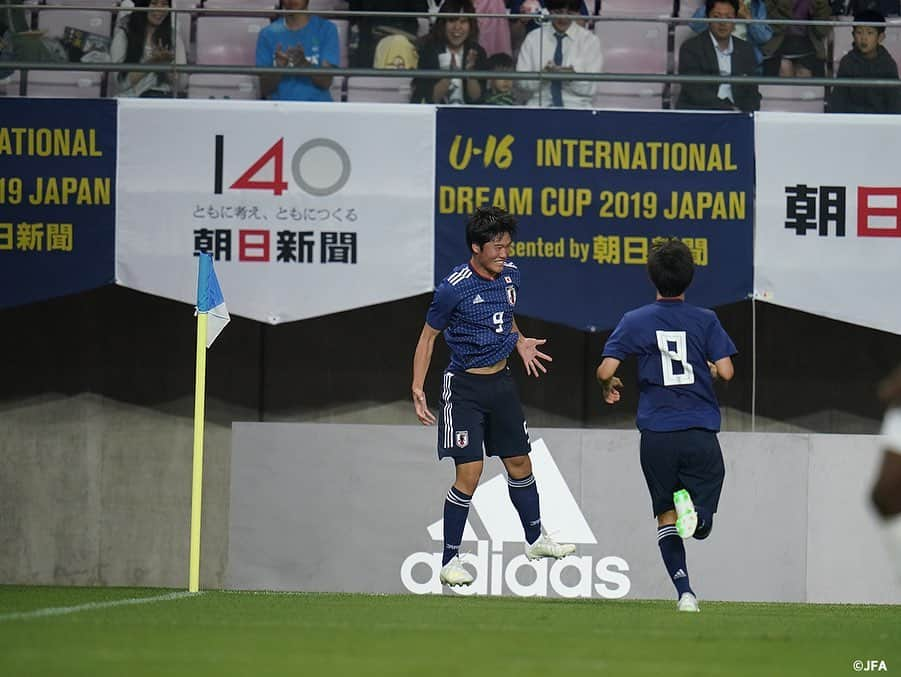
(497, 574)
(478, 299)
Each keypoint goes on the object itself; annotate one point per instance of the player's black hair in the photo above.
(709, 6)
(487, 224)
(871, 16)
(671, 267)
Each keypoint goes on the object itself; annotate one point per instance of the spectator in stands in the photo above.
(560, 46)
(368, 30)
(494, 34)
(452, 44)
(867, 59)
(297, 41)
(500, 88)
(147, 37)
(758, 34)
(520, 27)
(797, 51)
(718, 52)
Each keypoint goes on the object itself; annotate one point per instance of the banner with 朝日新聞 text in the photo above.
(57, 197)
(828, 238)
(307, 209)
(592, 191)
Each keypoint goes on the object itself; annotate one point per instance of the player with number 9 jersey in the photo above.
(480, 412)
(476, 315)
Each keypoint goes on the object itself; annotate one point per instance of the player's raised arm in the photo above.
(531, 356)
(422, 358)
(610, 383)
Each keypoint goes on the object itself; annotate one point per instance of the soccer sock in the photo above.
(705, 522)
(524, 496)
(456, 508)
(673, 551)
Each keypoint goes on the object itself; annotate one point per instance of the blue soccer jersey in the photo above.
(673, 342)
(476, 315)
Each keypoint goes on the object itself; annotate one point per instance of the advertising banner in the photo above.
(307, 209)
(592, 191)
(829, 216)
(57, 197)
(298, 520)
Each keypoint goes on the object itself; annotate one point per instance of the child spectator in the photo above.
(500, 89)
(867, 59)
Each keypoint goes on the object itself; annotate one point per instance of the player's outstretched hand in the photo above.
(611, 390)
(531, 356)
(425, 416)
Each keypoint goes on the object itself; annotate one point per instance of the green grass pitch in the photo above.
(228, 633)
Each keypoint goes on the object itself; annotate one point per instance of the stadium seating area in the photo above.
(637, 37)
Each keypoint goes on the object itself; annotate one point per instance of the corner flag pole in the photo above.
(212, 316)
(197, 474)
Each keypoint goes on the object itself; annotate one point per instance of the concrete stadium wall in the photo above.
(94, 492)
(355, 508)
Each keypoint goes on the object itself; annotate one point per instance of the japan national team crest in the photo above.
(511, 295)
(462, 438)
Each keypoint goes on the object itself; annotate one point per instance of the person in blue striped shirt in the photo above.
(480, 405)
(681, 350)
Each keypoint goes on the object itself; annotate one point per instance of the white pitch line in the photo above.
(90, 606)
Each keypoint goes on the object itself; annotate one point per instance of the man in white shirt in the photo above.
(560, 46)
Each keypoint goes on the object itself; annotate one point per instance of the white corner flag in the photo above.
(210, 299)
(212, 316)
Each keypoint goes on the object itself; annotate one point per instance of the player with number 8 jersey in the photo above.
(680, 349)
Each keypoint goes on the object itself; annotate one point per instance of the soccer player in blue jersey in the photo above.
(480, 406)
(681, 349)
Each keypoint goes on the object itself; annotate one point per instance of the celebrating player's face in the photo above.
(491, 256)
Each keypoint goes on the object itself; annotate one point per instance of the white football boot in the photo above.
(454, 573)
(545, 546)
(688, 602)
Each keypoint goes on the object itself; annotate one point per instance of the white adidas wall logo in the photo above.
(561, 517)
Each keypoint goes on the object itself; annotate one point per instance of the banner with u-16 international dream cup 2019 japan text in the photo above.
(592, 191)
(307, 209)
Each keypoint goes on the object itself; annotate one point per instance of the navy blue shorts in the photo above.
(682, 459)
(477, 410)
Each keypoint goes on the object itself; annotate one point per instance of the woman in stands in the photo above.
(148, 38)
(453, 44)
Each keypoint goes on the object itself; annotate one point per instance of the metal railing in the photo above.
(668, 78)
